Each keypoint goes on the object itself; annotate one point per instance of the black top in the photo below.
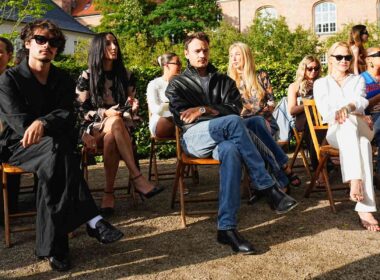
(23, 99)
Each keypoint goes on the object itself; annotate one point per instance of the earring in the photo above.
(371, 64)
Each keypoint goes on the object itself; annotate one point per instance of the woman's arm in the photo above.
(293, 108)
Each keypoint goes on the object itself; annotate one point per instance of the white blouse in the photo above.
(158, 103)
(330, 97)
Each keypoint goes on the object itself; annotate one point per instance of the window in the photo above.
(267, 12)
(325, 18)
(323, 59)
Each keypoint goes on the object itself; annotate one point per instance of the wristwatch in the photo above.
(202, 110)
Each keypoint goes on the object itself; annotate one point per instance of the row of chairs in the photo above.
(184, 161)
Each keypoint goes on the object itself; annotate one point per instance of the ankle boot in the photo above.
(279, 201)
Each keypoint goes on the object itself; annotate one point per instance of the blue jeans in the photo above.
(376, 127)
(227, 140)
(258, 126)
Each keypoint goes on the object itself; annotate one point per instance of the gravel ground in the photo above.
(308, 243)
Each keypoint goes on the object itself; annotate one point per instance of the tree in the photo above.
(124, 17)
(175, 18)
(20, 9)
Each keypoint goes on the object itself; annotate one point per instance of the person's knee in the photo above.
(228, 151)
(117, 124)
(109, 141)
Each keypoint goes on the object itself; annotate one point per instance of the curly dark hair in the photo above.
(8, 44)
(27, 32)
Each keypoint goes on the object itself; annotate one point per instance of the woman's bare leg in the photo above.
(116, 127)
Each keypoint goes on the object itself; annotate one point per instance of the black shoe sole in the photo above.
(287, 210)
(236, 251)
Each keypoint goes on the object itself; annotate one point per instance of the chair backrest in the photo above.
(314, 122)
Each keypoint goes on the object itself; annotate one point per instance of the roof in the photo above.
(84, 8)
(58, 16)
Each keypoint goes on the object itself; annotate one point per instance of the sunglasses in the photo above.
(41, 40)
(316, 68)
(376, 54)
(175, 63)
(340, 57)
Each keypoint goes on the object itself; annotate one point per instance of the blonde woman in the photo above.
(258, 102)
(340, 98)
(161, 122)
(308, 71)
(358, 36)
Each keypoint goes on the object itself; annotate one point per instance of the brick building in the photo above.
(324, 17)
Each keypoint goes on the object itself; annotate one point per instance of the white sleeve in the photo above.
(361, 102)
(155, 104)
(321, 96)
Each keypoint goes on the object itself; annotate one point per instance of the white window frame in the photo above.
(270, 12)
(325, 18)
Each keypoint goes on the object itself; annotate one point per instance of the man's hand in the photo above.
(33, 134)
(89, 142)
(190, 115)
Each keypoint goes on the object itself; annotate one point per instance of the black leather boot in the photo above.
(237, 242)
(279, 201)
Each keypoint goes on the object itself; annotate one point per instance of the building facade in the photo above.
(324, 17)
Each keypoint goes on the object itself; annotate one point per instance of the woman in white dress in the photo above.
(340, 98)
(161, 120)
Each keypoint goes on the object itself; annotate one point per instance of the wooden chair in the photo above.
(324, 152)
(184, 160)
(153, 172)
(299, 136)
(7, 169)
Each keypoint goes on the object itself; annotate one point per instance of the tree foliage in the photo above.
(175, 18)
(22, 9)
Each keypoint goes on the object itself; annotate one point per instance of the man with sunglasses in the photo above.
(36, 102)
(372, 80)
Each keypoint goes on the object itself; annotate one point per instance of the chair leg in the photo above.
(175, 185)
(296, 151)
(152, 152)
(7, 231)
(305, 163)
(310, 187)
(182, 196)
(328, 189)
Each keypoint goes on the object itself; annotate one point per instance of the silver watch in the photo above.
(202, 110)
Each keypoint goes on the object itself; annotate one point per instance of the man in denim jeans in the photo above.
(206, 105)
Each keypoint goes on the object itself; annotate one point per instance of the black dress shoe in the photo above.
(236, 241)
(255, 197)
(279, 201)
(104, 232)
(59, 263)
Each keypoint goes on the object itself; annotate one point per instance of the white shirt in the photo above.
(330, 97)
(158, 103)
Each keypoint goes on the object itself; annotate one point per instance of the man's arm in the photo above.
(231, 100)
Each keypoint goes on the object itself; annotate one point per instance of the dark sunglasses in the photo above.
(316, 68)
(41, 40)
(175, 63)
(376, 54)
(340, 57)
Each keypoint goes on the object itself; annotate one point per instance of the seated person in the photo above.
(340, 99)
(308, 71)
(36, 103)
(372, 78)
(206, 104)
(106, 104)
(6, 53)
(161, 120)
(258, 101)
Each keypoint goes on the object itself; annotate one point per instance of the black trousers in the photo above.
(63, 200)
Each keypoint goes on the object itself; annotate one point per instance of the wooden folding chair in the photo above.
(5, 171)
(153, 172)
(299, 136)
(324, 152)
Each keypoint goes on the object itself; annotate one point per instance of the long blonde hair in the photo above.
(301, 81)
(248, 73)
(331, 51)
